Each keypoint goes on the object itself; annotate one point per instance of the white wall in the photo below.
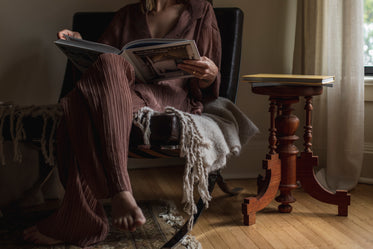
(32, 68)
(267, 47)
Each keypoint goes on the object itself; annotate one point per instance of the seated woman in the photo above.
(93, 137)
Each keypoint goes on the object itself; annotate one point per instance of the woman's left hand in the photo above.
(204, 69)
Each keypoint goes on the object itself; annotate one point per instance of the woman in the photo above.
(98, 117)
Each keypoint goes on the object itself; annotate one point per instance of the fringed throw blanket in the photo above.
(15, 115)
(206, 142)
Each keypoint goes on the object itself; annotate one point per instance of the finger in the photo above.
(196, 63)
(186, 68)
(202, 75)
(62, 33)
(205, 76)
(77, 35)
(189, 68)
(203, 59)
(188, 65)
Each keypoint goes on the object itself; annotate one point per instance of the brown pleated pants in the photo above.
(92, 150)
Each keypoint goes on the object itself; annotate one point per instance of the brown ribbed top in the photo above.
(197, 22)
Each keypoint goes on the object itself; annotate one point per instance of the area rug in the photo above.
(162, 222)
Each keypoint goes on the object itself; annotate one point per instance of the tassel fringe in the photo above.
(17, 132)
(191, 146)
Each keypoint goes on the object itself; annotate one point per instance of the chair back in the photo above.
(230, 20)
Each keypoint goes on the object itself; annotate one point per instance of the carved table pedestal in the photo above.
(284, 165)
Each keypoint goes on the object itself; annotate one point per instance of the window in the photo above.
(368, 37)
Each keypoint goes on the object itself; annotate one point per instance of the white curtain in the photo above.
(329, 41)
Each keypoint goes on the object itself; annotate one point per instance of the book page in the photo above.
(159, 62)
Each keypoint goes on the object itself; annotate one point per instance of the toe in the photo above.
(118, 221)
(139, 218)
(131, 224)
(125, 224)
(129, 221)
(138, 223)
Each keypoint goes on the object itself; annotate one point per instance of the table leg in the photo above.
(306, 174)
(287, 124)
(268, 186)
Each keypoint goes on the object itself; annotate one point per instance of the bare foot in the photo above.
(126, 214)
(33, 235)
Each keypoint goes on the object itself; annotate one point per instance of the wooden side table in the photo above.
(284, 165)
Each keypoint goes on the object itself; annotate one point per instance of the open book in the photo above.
(152, 59)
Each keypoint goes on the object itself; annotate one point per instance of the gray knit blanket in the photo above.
(207, 141)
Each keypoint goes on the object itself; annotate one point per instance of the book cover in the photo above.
(152, 59)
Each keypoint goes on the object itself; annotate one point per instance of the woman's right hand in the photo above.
(62, 33)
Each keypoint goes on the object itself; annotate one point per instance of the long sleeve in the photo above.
(209, 44)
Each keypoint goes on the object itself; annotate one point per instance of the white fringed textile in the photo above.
(16, 130)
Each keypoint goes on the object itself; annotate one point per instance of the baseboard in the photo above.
(368, 148)
(366, 180)
(236, 176)
(367, 169)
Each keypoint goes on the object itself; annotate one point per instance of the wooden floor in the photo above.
(312, 224)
